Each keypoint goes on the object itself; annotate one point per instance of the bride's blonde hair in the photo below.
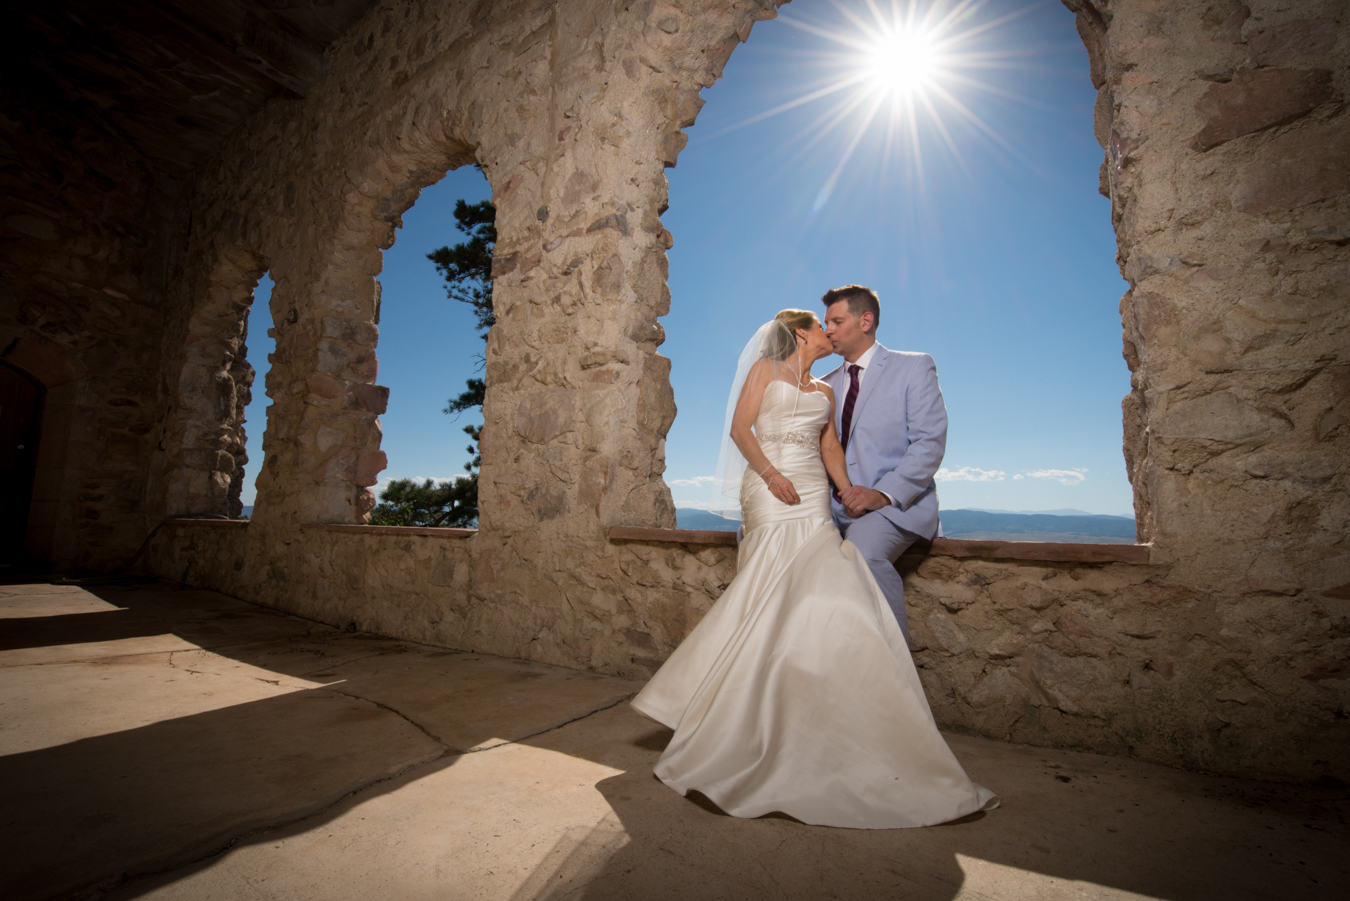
(784, 342)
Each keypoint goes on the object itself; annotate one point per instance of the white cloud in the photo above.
(697, 482)
(969, 474)
(1063, 476)
(384, 482)
(1018, 477)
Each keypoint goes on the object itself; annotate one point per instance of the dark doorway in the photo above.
(20, 414)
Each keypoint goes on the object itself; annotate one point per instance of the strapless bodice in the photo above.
(786, 409)
(788, 430)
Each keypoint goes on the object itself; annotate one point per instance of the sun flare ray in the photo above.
(899, 67)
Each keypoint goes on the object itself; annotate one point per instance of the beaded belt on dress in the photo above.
(801, 439)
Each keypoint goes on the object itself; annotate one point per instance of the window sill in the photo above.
(391, 531)
(213, 522)
(1041, 551)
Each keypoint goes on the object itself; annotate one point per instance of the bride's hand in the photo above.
(780, 486)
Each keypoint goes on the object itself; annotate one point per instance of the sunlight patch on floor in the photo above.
(22, 602)
(43, 706)
(986, 879)
(516, 822)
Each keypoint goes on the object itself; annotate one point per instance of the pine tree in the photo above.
(467, 270)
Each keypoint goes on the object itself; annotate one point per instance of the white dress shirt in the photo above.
(862, 363)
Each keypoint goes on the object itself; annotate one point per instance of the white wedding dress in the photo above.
(797, 693)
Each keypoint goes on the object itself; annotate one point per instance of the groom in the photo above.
(893, 426)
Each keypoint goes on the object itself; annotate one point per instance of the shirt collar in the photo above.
(866, 359)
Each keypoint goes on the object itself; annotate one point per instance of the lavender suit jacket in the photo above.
(899, 434)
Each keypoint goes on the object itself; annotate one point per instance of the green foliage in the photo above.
(467, 270)
(468, 399)
(467, 267)
(406, 503)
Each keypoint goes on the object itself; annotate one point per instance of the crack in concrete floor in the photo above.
(224, 844)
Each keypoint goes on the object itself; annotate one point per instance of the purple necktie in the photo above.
(849, 400)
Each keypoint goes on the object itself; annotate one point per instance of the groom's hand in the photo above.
(859, 501)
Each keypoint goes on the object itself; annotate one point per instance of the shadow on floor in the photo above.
(171, 722)
(1095, 822)
(308, 724)
(164, 794)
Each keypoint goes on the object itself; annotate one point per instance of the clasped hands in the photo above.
(857, 500)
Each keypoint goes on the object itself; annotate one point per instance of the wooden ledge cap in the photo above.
(1042, 551)
(219, 523)
(391, 531)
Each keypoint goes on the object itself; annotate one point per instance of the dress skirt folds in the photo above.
(797, 692)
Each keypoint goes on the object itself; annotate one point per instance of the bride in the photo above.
(797, 693)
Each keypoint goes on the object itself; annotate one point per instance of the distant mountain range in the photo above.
(1066, 511)
(988, 525)
(1056, 526)
(1065, 525)
(689, 518)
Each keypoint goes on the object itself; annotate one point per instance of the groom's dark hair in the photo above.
(860, 300)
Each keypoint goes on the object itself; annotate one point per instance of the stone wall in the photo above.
(80, 296)
(1225, 139)
(202, 433)
(1128, 660)
(1224, 653)
(1227, 164)
(633, 604)
(573, 110)
(1112, 658)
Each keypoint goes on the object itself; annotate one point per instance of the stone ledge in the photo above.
(206, 521)
(1046, 551)
(391, 531)
(1043, 551)
(717, 538)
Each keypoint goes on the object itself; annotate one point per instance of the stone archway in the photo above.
(204, 431)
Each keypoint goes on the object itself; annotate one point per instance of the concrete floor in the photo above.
(163, 742)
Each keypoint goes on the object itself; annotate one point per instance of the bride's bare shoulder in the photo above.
(824, 388)
(762, 370)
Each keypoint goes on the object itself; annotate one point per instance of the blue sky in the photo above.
(998, 259)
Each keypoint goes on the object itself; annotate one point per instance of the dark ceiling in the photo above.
(174, 77)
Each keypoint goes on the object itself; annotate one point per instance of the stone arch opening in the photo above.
(204, 433)
(433, 354)
(912, 277)
(259, 332)
(339, 433)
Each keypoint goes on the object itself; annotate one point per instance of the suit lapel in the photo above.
(870, 379)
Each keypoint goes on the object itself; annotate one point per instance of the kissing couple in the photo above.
(797, 693)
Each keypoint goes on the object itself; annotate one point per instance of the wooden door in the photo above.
(20, 414)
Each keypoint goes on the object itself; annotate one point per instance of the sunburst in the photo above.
(903, 66)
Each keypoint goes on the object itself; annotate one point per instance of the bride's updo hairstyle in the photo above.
(783, 342)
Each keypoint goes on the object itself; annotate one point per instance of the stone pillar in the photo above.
(203, 433)
(1228, 167)
(578, 398)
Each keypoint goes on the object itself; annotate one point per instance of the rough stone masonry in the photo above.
(1227, 160)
